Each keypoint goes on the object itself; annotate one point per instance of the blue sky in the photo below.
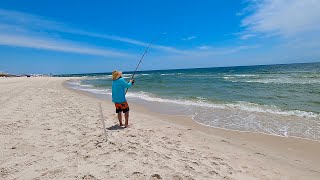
(100, 36)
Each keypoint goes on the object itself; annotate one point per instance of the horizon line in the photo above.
(57, 75)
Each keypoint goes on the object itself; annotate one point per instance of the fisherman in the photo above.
(119, 86)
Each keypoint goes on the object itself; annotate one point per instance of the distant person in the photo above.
(119, 86)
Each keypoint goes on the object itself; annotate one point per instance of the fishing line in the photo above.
(145, 52)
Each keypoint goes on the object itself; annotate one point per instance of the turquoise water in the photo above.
(274, 99)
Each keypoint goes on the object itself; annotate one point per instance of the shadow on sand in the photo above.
(115, 127)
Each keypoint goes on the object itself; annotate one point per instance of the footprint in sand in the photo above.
(133, 155)
(189, 168)
(137, 175)
(214, 173)
(177, 177)
(225, 141)
(155, 176)
(88, 177)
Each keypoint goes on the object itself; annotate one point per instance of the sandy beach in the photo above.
(49, 131)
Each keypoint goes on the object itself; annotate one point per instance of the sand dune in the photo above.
(51, 132)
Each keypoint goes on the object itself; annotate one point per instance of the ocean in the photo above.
(281, 100)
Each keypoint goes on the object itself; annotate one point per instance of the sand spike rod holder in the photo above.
(102, 120)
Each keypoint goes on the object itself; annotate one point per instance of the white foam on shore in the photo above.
(78, 83)
(271, 134)
(88, 88)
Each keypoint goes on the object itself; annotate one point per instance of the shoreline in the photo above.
(50, 131)
(246, 136)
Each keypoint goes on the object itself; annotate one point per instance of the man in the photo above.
(119, 86)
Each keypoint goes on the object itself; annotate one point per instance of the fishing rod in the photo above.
(145, 52)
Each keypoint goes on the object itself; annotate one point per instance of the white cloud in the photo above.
(57, 45)
(26, 30)
(124, 39)
(204, 47)
(189, 38)
(209, 52)
(283, 17)
(246, 36)
(291, 26)
(32, 23)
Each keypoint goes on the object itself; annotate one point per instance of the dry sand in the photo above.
(51, 132)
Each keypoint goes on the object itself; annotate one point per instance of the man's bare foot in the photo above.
(126, 126)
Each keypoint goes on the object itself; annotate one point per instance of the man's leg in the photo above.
(126, 116)
(120, 118)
